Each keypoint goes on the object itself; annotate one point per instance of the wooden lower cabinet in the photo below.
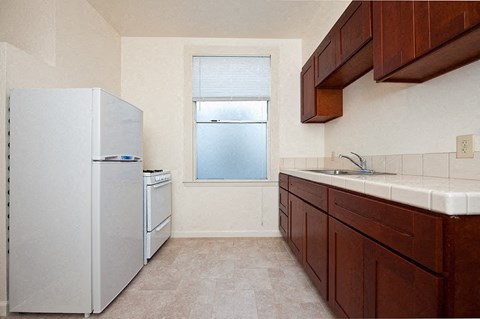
(296, 220)
(396, 288)
(283, 224)
(316, 248)
(374, 258)
(368, 280)
(308, 240)
(346, 287)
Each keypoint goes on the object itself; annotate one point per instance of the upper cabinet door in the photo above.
(345, 54)
(308, 98)
(437, 22)
(325, 58)
(393, 38)
(473, 14)
(415, 41)
(354, 29)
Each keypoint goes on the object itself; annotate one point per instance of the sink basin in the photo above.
(346, 172)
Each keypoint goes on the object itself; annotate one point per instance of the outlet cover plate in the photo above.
(465, 146)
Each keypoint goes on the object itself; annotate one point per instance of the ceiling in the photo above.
(215, 18)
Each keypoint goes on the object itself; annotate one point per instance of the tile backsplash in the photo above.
(432, 165)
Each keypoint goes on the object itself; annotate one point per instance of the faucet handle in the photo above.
(359, 157)
(363, 162)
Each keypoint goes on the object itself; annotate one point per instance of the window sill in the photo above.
(233, 183)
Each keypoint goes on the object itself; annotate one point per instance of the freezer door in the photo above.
(117, 127)
(117, 228)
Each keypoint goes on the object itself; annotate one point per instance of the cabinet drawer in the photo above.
(283, 200)
(283, 223)
(414, 234)
(283, 181)
(311, 192)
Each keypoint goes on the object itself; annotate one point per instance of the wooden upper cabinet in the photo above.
(415, 41)
(346, 52)
(343, 56)
(308, 97)
(317, 105)
(437, 22)
(325, 58)
(393, 37)
(354, 29)
(473, 14)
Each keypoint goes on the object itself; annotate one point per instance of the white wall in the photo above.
(156, 77)
(57, 43)
(389, 118)
(30, 26)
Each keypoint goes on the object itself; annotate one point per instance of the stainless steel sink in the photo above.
(346, 172)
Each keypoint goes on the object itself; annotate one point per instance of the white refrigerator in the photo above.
(76, 211)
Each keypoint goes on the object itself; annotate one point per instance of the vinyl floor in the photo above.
(231, 278)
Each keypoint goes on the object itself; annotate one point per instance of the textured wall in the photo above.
(52, 43)
(384, 119)
(156, 75)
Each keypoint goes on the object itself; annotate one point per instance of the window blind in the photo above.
(231, 77)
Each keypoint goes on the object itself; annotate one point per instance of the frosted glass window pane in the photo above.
(231, 76)
(231, 151)
(232, 111)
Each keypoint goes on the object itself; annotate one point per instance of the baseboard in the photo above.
(194, 234)
(3, 308)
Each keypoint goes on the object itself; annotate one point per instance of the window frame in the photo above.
(233, 48)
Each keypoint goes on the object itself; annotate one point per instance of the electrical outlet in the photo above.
(465, 146)
(332, 158)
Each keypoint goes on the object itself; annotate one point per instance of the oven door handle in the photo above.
(161, 184)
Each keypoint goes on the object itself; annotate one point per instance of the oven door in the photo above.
(159, 204)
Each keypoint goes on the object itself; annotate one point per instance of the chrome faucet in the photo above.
(363, 162)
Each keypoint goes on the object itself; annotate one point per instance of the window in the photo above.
(230, 97)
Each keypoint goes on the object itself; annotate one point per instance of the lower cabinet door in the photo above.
(316, 247)
(283, 224)
(345, 282)
(396, 288)
(296, 221)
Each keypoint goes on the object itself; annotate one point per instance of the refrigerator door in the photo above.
(117, 128)
(117, 228)
(50, 201)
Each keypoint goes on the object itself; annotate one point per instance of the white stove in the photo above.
(157, 210)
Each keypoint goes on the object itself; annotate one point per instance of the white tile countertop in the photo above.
(442, 195)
